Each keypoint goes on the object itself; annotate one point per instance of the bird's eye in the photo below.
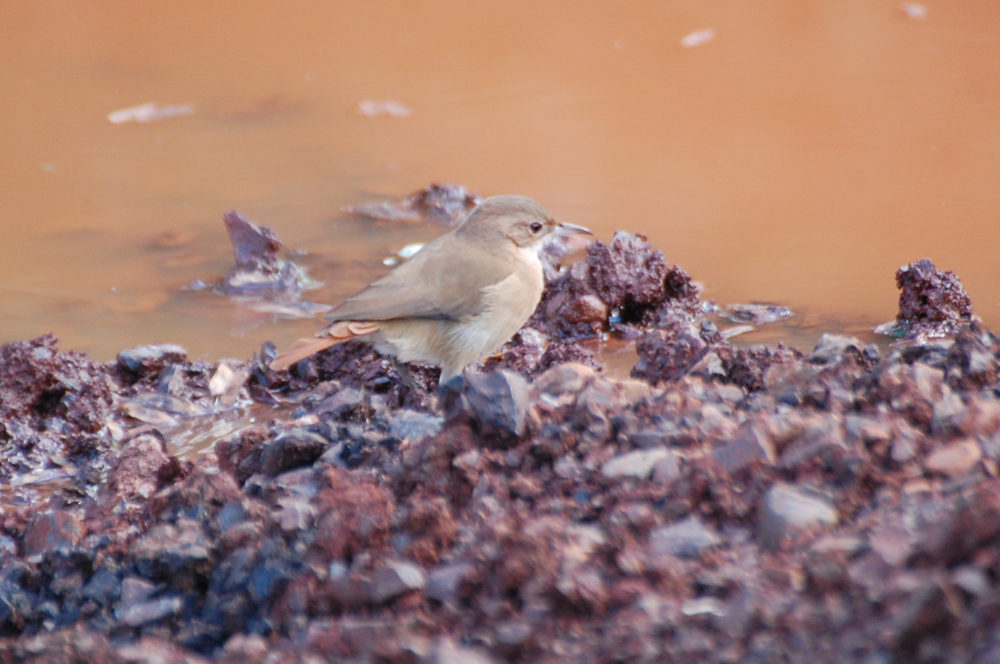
(535, 226)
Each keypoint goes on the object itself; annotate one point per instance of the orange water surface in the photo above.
(797, 153)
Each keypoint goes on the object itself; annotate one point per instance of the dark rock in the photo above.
(53, 406)
(932, 302)
(142, 359)
(255, 246)
(179, 554)
(294, 448)
(667, 354)
(259, 273)
(496, 403)
(444, 203)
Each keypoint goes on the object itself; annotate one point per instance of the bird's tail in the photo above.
(303, 348)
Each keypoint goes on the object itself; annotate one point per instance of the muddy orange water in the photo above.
(797, 153)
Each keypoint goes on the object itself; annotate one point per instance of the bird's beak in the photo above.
(564, 228)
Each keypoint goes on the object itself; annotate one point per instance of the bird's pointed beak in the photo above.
(564, 228)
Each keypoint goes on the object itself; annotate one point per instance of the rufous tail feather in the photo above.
(303, 348)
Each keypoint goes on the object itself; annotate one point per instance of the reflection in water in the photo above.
(799, 156)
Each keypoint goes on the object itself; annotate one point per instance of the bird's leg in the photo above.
(404, 374)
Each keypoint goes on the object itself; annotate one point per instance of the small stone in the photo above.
(568, 378)
(340, 403)
(788, 510)
(151, 611)
(831, 348)
(498, 401)
(51, 531)
(294, 448)
(586, 309)
(410, 424)
(142, 358)
(445, 651)
(136, 590)
(688, 538)
(396, 578)
(637, 463)
(972, 580)
(954, 459)
(752, 443)
(227, 381)
(445, 581)
(892, 544)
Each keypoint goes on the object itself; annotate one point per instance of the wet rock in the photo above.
(666, 355)
(226, 383)
(758, 314)
(142, 359)
(53, 406)
(638, 464)
(261, 279)
(256, 247)
(789, 510)
(932, 303)
(444, 203)
(623, 285)
(395, 578)
(141, 468)
(688, 538)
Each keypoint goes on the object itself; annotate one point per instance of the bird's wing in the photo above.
(435, 283)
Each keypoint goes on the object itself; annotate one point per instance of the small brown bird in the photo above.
(457, 300)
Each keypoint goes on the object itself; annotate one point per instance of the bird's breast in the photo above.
(506, 306)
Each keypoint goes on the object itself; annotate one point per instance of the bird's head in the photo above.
(515, 219)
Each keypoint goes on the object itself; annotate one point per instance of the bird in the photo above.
(458, 299)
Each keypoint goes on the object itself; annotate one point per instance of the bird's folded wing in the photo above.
(429, 286)
(380, 303)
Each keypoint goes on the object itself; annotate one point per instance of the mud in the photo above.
(723, 504)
